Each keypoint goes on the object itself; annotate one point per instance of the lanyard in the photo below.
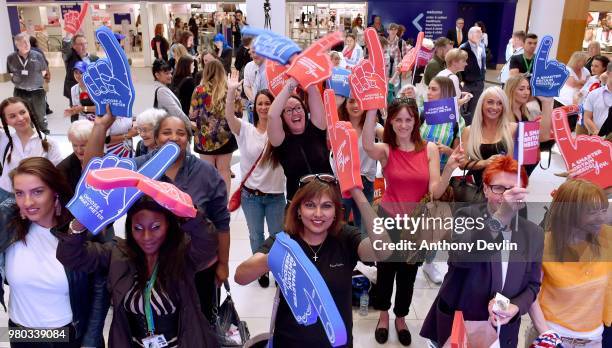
(147, 302)
(528, 66)
(23, 64)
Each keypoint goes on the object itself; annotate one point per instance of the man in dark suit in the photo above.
(474, 73)
(475, 277)
(457, 35)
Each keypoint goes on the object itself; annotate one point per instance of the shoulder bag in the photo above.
(236, 198)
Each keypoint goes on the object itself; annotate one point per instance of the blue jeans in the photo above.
(256, 208)
(350, 205)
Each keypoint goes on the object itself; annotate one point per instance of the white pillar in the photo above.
(6, 41)
(145, 15)
(549, 24)
(278, 14)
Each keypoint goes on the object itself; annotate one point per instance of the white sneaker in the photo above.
(433, 273)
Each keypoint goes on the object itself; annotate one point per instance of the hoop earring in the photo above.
(58, 206)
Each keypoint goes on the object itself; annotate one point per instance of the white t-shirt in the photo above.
(454, 78)
(599, 102)
(566, 95)
(255, 77)
(264, 178)
(33, 148)
(39, 296)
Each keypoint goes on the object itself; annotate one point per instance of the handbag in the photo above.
(229, 329)
(236, 198)
(465, 191)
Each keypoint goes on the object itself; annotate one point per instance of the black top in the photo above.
(518, 61)
(163, 47)
(335, 261)
(184, 91)
(486, 151)
(226, 59)
(71, 167)
(302, 154)
(236, 36)
(242, 58)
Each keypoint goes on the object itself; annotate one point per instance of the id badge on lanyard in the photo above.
(24, 71)
(152, 340)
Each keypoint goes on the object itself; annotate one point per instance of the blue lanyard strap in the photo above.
(147, 302)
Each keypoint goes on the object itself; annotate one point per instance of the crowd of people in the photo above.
(162, 279)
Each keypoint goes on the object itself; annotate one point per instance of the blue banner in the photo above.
(109, 80)
(339, 82)
(440, 111)
(97, 208)
(304, 289)
(272, 46)
(548, 75)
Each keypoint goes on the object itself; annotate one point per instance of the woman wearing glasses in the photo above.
(411, 168)
(314, 220)
(299, 138)
(576, 299)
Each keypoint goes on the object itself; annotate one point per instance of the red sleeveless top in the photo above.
(406, 178)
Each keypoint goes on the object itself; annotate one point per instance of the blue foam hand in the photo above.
(270, 45)
(304, 289)
(109, 80)
(339, 82)
(548, 75)
(97, 208)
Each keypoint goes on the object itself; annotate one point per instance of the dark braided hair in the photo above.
(33, 121)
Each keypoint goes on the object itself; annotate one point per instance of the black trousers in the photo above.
(72, 342)
(475, 88)
(208, 291)
(404, 275)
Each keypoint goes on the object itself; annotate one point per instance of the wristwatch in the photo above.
(495, 225)
(75, 231)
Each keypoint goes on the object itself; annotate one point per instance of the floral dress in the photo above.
(213, 132)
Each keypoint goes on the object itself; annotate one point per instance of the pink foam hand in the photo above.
(276, 75)
(343, 139)
(166, 194)
(367, 80)
(314, 65)
(410, 59)
(591, 156)
(73, 19)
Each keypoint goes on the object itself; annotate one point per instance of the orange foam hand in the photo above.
(411, 58)
(343, 139)
(591, 156)
(166, 194)
(276, 75)
(367, 80)
(314, 65)
(74, 19)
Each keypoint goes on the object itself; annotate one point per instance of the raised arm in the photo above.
(230, 113)
(377, 151)
(438, 183)
(75, 253)
(369, 248)
(546, 121)
(95, 143)
(316, 107)
(276, 134)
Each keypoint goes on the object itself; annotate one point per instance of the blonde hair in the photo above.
(455, 54)
(215, 83)
(504, 126)
(179, 51)
(511, 86)
(577, 60)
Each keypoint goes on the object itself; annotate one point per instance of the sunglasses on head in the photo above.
(326, 178)
(404, 100)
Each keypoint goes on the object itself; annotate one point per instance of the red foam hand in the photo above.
(411, 58)
(166, 194)
(591, 156)
(367, 80)
(343, 139)
(74, 19)
(276, 75)
(314, 65)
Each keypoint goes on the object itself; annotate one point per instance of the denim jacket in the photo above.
(89, 298)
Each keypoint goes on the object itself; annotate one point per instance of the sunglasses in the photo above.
(326, 178)
(404, 101)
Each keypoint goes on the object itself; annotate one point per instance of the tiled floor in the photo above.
(254, 303)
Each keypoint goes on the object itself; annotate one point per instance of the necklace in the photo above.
(315, 257)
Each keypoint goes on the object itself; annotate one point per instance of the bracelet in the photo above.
(73, 230)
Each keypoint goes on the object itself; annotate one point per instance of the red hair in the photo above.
(504, 164)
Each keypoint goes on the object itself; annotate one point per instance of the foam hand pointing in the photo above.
(166, 194)
(548, 75)
(96, 208)
(368, 82)
(74, 19)
(589, 156)
(343, 140)
(270, 45)
(109, 80)
(314, 65)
